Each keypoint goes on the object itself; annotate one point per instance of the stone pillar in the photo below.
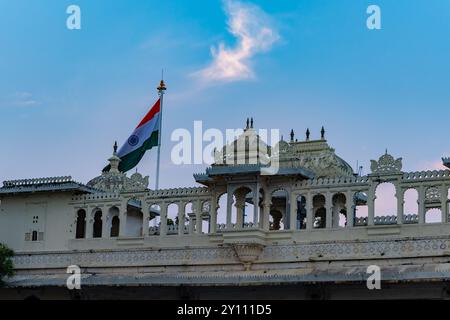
(105, 230)
(163, 217)
(229, 204)
(329, 212)
(293, 213)
(213, 215)
(266, 214)
(240, 211)
(75, 220)
(255, 206)
(145, 218)
(400, 194)
(309, 212)
(191, 226)
(181, 215)
(444, 204)
(198, 217)
(350, 208)
(371, 206)
(89, 223)
(421, 203)
(123, 218)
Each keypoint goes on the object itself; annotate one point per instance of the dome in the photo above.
(112, 180)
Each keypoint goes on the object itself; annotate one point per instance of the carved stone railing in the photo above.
(234, 226)
(387, 220)
(334, 181)
(361, 180)
(174, 192)
(37, 181)
(97, 196)
(171, 230)
(426, 175)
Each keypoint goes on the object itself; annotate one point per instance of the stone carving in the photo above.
(136, 182)
(248, 253)
(241, 253)
(316, 156)
(386, 164)
(112, 180)
(433, 194)
(119, 182)
(323, 164)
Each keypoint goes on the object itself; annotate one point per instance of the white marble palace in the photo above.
(308, 231)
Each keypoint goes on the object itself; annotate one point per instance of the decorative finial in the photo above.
(322, 133)
(282, 139)
(114, 160)
(292, 135)
(307, 134)
(251, 123)
(246, 127)
(162, 86)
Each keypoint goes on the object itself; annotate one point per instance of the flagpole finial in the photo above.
(162, 86)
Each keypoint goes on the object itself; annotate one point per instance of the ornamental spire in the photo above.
(114, 160)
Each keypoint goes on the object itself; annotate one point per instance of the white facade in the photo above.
(305, 227)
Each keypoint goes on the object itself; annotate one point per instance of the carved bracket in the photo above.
(248, 253)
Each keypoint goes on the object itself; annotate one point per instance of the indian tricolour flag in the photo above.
(143, 138)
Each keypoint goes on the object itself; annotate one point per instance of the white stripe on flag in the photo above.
(139, 136)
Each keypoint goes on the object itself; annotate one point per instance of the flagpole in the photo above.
(161, 88)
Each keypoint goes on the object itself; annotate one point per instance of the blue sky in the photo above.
(66, 95)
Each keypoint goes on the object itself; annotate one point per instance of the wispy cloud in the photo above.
(24, 99)
(254, 33)
(431, 165)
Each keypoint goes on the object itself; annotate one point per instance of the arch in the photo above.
(242, 195)
(80, 231)
(115, 227)
(385, 200)
(361, 210)
(98, 224)
(411, 206)
(275, 220)
(172, 218)
(339, 216)
(113, 221)
(433, 215)
(189, 217)
(222, 201)
(279, 209)
(448, 205)
(301, 212)
(205, 208)
(34, 236)
(320, 213)
(154, 219)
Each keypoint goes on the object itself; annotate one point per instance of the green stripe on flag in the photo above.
(130, 160)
